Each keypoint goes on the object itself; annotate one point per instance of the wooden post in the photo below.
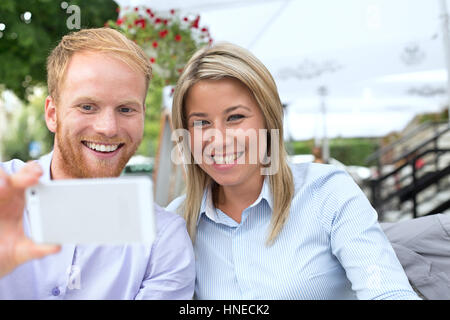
(168, 177)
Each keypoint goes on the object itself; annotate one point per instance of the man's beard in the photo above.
(75, 165)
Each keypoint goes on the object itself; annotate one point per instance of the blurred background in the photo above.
(364, 83)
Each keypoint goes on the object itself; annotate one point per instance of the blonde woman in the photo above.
(263, 228)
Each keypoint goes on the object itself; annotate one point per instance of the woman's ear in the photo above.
(50, 114)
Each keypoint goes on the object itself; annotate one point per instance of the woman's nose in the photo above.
(220, 138)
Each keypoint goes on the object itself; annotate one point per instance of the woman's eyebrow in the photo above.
(231, 109)
(197, 114)
(227, 110)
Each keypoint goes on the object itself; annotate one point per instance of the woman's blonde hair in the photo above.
(226, 60)
(103, 40)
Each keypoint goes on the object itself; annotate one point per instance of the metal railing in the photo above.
(381, 194)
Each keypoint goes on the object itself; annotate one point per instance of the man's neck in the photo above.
(57, 171)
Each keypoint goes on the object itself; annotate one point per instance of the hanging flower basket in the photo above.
(168, 39)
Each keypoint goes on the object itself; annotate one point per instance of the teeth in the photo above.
(102, 147)
(227, 159)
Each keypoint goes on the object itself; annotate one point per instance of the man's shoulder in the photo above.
(175, 205)
(165, 217)
(12, 166)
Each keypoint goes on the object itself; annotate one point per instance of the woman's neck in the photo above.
(233, 200)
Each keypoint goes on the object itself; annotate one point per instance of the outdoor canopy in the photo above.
(380, 62)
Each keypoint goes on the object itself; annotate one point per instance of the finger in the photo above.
(5, 185)
(27, 176)
(28, 250)
(3, 182)
(3, 179)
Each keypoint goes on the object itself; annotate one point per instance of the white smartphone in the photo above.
(92, 211)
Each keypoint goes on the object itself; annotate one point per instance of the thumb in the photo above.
(27, 250)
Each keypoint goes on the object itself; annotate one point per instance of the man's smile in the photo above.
(102, 147)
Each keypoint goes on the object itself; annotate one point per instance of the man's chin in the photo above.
(103, 168)
(101, 173)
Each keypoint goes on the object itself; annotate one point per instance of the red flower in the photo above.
(155, 44)
(180, 70)
(163, 33)
(195, 23)
(148, 11)
(119, 21)
(177, 38)
(172, 11)
(140, 22)
(136, 9)
(152, 60)
(157, 20)
(185, 19)
(165, 22)
(204, 29)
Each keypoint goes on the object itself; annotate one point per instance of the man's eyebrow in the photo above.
(130, 102)
(85, 99)
(93, 100)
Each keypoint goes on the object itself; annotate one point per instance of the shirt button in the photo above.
(55, 291)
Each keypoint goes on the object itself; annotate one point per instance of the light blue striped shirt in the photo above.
(331, 246)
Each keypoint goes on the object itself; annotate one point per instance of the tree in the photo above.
(169, 41)
(27, 125)
(30, 29)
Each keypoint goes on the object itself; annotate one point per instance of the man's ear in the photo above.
(50, 114)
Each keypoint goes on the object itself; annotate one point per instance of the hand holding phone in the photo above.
(15, 247)
(92, 211)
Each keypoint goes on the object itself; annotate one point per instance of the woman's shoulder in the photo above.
(315, 175)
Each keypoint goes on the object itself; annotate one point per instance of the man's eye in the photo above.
(87, 107)
(235, 117)
(125, 110)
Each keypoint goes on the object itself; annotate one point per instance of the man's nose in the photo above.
(106, 123)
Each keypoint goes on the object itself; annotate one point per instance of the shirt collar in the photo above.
(45, 162)
(207, 207)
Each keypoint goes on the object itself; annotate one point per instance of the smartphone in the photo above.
(92, 211)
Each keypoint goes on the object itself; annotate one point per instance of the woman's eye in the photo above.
(235, 117)
(199, 123)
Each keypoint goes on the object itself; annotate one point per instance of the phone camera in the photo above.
(33, 192)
